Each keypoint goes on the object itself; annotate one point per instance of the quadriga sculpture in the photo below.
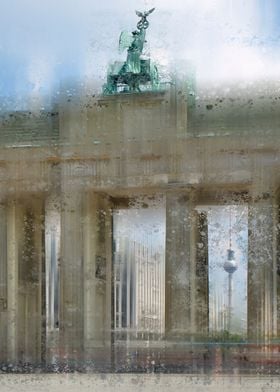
(136, 73)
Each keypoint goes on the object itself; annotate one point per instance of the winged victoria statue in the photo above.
(137, 73)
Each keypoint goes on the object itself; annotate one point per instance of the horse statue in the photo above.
(135, 72)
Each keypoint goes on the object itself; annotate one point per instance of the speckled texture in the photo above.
(128, 383)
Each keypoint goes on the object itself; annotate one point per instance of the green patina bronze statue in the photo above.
(136, 74)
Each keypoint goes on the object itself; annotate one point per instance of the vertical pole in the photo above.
(229, 300)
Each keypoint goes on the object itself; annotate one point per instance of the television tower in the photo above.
(230, 266)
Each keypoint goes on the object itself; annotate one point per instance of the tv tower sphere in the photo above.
(230, 265)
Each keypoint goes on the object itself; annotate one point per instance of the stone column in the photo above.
(97, 278)
(180, 310)
(12, 283)
(71, 276)
(90, 233)
(29, 230)
(25, 220)
(277, 277)
(3, 283)
(262, 269)
(202, 287)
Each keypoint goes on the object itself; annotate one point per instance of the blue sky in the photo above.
(44, 43)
